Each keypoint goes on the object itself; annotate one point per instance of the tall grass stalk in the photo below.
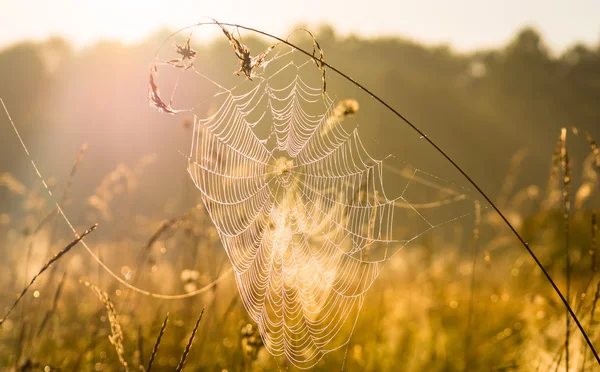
(54, 304)
(472, 284)
(566, 172)
(594, 268)
(116, 337)
(157, 344)
(189, 344)
(512, 228)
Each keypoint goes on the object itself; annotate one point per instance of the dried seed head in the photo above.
(116, 336)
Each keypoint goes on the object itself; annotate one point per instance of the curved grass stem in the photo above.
(439, 150)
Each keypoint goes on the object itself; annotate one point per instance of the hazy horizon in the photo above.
(464, 25)
(427, 201)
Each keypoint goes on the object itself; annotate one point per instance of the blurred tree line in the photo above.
(481, 107)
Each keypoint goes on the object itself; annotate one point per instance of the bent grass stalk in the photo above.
(46, 266)
(518, 236)
(95, 256)
(439, 150)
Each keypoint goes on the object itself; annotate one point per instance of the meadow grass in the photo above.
(488, 309)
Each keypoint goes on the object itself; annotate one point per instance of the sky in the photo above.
(464, 24)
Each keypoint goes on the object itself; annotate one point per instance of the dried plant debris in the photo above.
(154, 95)
(248, 64)
(186, 59)
(343, 109)
(320, 60)
(116, 337)
(187, 56)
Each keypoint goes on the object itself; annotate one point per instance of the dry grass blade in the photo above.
(187, 56)
(590, 175)
(46, 266)
(189, 345)
(164, 226)
(343, 109)
(320, 60)
(74, 169)
(65, 196)
(157, 344)
(154, 95)
(593, 264)
(116, 337)
(258, 60)
(596, 296)
(594, 268)
(239, 49)
(247, 63)
(553, 193)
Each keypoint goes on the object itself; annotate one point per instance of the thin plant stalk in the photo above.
(54, 304)
(46, 266)
(189, 344)
(564, 161)
(592, 316)
(157, 344)
(472, 285)
(116, 337)
(140, 347)
(514, 231)
(594, 268)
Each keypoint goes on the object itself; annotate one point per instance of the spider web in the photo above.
(299, 203)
